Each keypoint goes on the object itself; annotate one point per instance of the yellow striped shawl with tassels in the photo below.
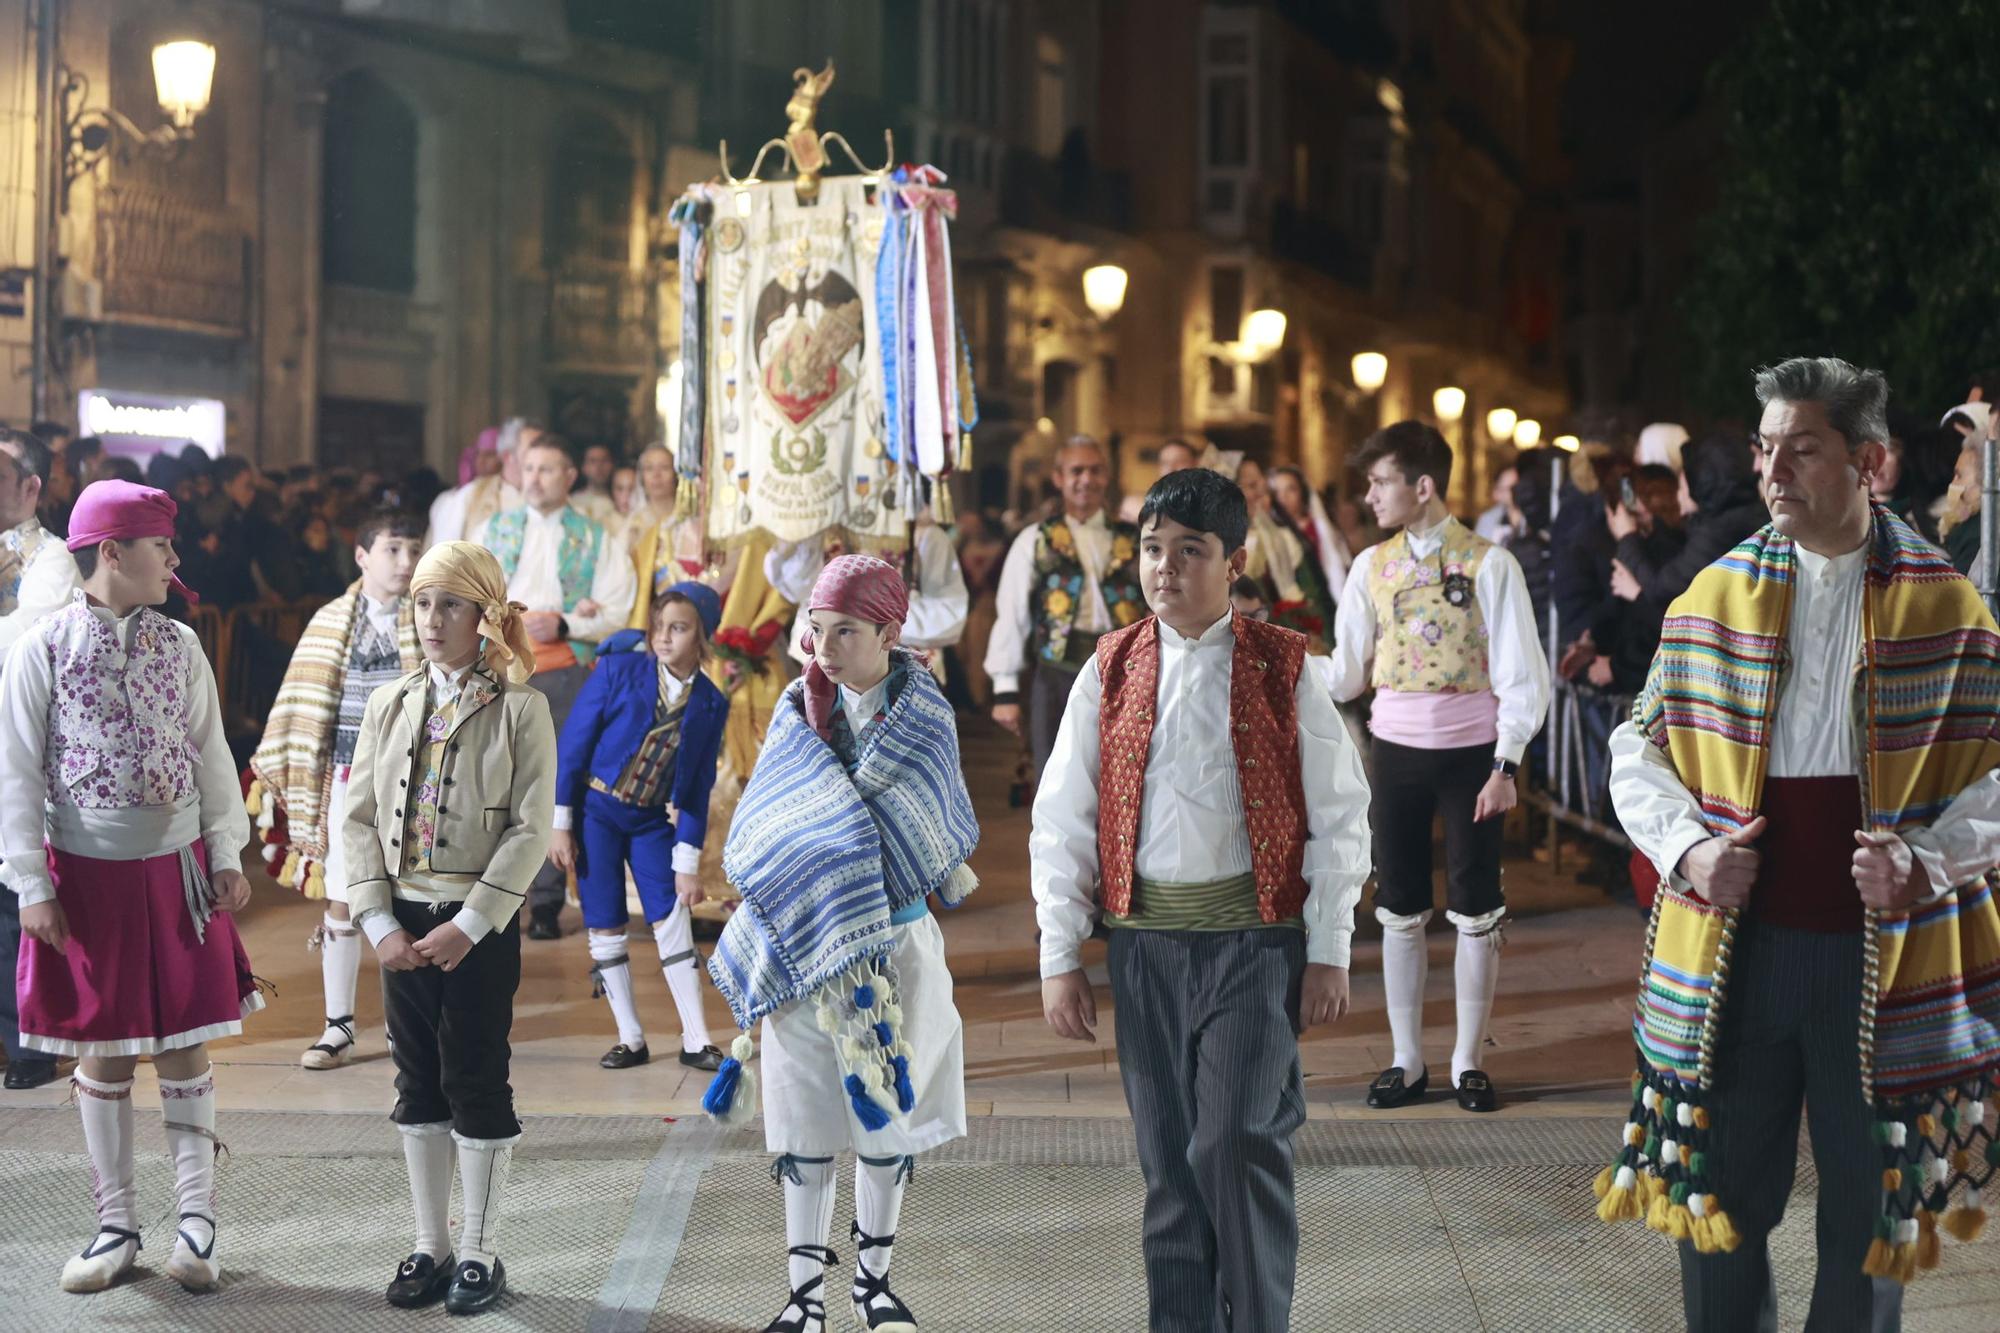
(292, 769)
(1928, 699)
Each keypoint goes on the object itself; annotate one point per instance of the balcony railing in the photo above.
(164, 261)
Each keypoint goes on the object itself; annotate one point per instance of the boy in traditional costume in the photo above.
(837, 952)
(447, 822)
(1437, 620)
(1811, 766)
(358, 642)
(635, 766)
(122, 828)
(1205, 804)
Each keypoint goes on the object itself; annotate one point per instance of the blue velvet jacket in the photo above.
(611, 716)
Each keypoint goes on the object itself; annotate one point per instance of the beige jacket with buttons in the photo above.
(496, 797)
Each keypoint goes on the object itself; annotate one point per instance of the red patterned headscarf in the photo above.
(863, 586)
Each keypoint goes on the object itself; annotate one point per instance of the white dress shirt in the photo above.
(448, 511)
(861, 706)
(1014, 628)
(381, 615)
(1515, 663)
(1815, 734)
(1191, 826)
(215, 814)
(686, 859)
(48, 578)
(938, 602)
(614, 585)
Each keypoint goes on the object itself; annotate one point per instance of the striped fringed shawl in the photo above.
(293, 765)
(1928, 697)
(823, 860)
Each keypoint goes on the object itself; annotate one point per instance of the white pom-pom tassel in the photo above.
(1698, 1204)
(1625, 1180)
(1684, 1114)
(272, 852)
(1899, 1134)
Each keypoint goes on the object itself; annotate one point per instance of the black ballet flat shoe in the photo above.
(420, 1281)
(622, 1056)
(1389, 1090)
(544, 924)
(1475, 1091)
(707, 1058)
(25, 1074)
(474, 1289)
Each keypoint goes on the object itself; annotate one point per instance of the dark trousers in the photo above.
(10, 1004)
(1049, 684)
(1409, 788)
(560, 688)
(1789, 1038)
(1208, 1048)
(448, 1030)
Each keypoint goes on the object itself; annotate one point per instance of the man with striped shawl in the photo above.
(362, 639)
(1811, 767)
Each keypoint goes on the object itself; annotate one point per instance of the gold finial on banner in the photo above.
(802, 135)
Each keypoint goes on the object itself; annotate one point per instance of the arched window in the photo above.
(590, 204)
(368, 202)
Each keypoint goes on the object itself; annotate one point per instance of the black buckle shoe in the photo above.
(545, 923)
(874, 1304)
(25, 1074)
(811, 1317)
(420, 1281)
(622, 1056)
(1389, 1090)
(707, 1059)
(473, 1288)
(1475, 1091)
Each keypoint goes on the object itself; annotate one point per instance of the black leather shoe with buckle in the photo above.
(1475, 1091)
(707, 1059)
(420, 1281)
(622, 1056)
(1389, 1090)
(473, 1288)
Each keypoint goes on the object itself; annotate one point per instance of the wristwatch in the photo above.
(1506, 768)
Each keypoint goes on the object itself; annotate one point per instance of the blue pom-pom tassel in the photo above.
(885, 1034)
(906, 1093)
(722, 1088)
(871, 1116)
(864, 998)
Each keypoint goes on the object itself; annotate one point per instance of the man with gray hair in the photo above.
(1810, 765)
(1066, 583)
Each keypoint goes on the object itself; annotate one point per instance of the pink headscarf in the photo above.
(468, 457)
(124, 511)
(866, 587)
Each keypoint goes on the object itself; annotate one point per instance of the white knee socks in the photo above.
(878, 1202)
(187, 1106)
(682, 965)
(1476, 970)
(808, 1185)
(107, 1137)
(427, 1152)
(482, 1177)
(1406, 966)
(339, 963)
(614, 976)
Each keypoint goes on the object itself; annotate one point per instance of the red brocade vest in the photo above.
(1264, 726)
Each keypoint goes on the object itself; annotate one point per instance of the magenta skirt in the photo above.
(134, 979)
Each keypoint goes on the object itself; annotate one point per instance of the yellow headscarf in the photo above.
(467, 570)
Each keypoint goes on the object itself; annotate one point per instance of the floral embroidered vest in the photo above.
(576, 556)
(1430, 635)
(1058, 588)
(1264, 726)
(118, 721)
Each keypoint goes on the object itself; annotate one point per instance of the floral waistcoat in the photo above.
(118, 721)
(1058, 587)
(1430, 635)
(576, 555)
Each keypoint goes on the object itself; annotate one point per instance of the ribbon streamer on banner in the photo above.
(690, 214)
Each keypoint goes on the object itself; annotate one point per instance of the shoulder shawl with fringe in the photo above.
(823, 860)
(1927, 699)
(292, 775)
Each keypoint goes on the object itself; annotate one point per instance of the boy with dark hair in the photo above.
(635, 766)
(1437, 619)
(1226, 863)
(358, 642)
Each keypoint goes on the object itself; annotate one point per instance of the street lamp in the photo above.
(1569, 444)
(1449, 403)
(1500, 423)
(1263, 333)
(1371, 371)
(1527, 433)
(1104, 290)
(183, 78)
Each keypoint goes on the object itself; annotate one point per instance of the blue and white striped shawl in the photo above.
(823, 860)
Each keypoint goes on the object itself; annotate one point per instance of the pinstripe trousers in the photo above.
(1789, 1037)
(1207, 1026)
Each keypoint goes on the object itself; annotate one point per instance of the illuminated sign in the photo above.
(138, 423)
